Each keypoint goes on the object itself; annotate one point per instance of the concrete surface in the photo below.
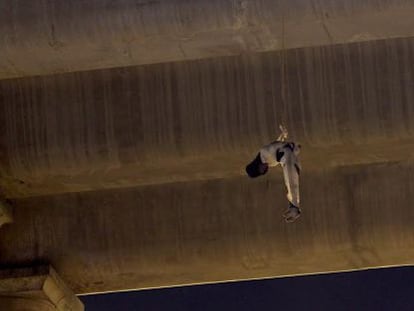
(56, 36)
(347, 104)
(131, 177)
(37, 288)
(184, 233)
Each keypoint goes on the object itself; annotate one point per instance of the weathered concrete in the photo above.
(55, 36)
(132, 177)
(353, 218)
(199, 120)
(37, 288)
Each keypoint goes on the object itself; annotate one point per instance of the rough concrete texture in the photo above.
(37, 288)
(55, 36)
(133, 177)
(353, 217)
(204, 119)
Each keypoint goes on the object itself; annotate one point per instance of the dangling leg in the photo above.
(292, 213)
(291, 173)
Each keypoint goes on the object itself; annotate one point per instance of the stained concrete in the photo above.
(131, 177)
(347, 104)
(353, 217)
(56, 36)
(36, 288)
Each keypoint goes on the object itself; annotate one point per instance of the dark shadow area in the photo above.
(379, 289)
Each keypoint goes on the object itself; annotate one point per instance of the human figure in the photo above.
(286, 154)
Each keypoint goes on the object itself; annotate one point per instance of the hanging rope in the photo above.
(283, 117)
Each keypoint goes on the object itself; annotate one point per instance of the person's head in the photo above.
(256, 168)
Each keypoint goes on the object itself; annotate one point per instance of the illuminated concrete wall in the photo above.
(353, 217)
(204, 119)
(65, 36)
(133, 176)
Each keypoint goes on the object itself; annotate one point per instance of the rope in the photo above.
(283, 72)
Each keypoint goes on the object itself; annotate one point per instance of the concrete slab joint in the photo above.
(5, 213)
(36, 288)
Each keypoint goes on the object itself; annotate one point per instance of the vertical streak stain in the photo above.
(84, 126)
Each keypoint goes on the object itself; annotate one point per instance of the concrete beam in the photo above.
(60, 36)
(200, 120)
(354, 217)
(36, 289)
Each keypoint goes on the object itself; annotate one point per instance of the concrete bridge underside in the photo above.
(127, 173)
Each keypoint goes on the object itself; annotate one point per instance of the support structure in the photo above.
(36, 289)
(125, 127)
(69, 36)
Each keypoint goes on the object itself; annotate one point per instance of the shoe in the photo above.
(292, 213)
